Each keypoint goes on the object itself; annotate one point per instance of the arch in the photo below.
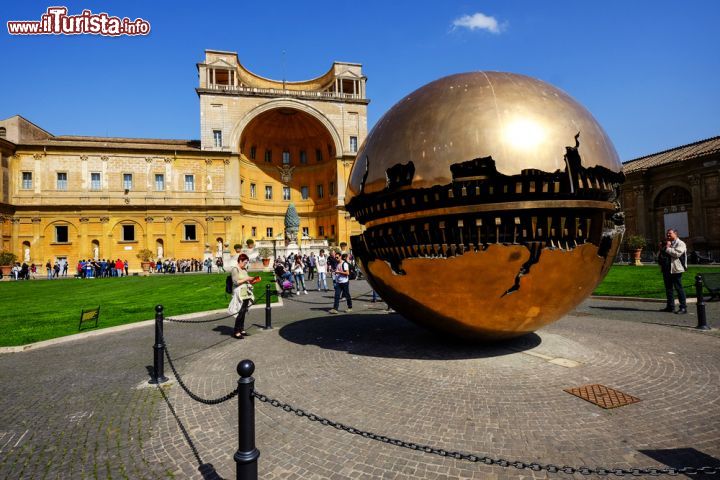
(139, 230)
(239, 127)
(672, 195)
(664, 186)
(49, 228)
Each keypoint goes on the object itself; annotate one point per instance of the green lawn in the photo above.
(645, 281)
(37, 310)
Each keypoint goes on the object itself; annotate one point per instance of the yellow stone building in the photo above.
(263, 144)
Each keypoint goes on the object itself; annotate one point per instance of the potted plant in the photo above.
(145, 255)
(250, 243)
(635, 244)
(265, 253)
(7, 260)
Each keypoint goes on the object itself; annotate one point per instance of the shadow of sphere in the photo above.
(393, 336)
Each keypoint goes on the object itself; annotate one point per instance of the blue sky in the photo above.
(649, 71)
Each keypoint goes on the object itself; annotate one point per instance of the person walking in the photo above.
(322, 271)
(125, 266)
(342, 284)
(49, 268)
(242, 295)
(208, 264)
(674, 252)
(299, 274)
(221, 266)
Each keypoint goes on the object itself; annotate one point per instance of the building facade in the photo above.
(677, 188)
(263, 144)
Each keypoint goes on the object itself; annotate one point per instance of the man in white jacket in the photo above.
(677, 251)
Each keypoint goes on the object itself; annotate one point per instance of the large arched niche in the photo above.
(283, 124)
(286, 131)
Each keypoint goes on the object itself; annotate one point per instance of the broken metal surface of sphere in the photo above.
(489, 205)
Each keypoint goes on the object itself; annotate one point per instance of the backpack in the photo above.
(229, 285)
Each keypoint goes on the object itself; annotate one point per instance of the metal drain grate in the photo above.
(602, 396)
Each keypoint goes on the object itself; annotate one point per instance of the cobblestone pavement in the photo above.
(83, 410)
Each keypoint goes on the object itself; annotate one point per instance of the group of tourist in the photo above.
(101, 268)
(183, 265)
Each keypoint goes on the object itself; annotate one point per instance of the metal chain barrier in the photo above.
(534, 466)
(213, 401)
(179, 320)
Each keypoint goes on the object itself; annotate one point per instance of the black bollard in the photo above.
(159, 349)
(702, 317)
(268, 319)
(247, 455)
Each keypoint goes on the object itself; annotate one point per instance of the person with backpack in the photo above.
(242, 294)
(342, 284)
(673, 255)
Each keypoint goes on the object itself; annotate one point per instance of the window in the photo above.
(3, 132)
(318, 155)
(320, 191)
(189, 183)
(353, 144)
(303, 157)
(128, 233)
(331, 188)
(242, 184)
(286, 193)
(253, 152)
(332, 230)
(321, 231)
(160, 182)
(253, 191)
(306, 231)
(286, 158)
(305, 192)
(253, 231)
(268, 156)
(217, 138)
(268, 192)
(127, 181)
(269, 232)
(26, 180)
(62, 181)
(190, 234)
(95, 181)
(61, 234)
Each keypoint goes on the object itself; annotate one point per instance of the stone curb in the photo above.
(637, 299)
(118, 328)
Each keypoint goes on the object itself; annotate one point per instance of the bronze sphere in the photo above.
(489, 204)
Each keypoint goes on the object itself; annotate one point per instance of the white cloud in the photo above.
(478, 21)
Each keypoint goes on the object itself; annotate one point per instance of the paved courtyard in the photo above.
(83, 409)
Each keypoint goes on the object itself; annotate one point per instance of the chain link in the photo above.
(550, 468)
(213, 401)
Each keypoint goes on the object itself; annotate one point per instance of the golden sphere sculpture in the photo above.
(489, 205)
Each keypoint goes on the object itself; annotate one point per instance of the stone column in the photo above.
(148, 236)
(36, 250)
(14, 233)
(641, 210)
(83, 245)
(698, 214)
(169, 238)
(106, 239)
